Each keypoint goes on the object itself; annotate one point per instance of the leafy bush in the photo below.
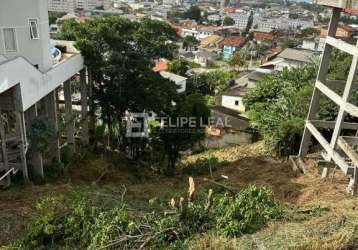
(64, 220)
(85, 220)
(246, 212)
(279, 103)
(41, 134)
(109, 225)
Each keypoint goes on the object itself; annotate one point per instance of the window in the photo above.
(34, 29)
(10, 39)
(236, 103)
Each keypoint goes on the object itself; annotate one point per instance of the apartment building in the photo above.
(268, 24)
(241, 19)
(69, 6)
(30, 79)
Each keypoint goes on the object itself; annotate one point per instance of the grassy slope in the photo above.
(323, 216)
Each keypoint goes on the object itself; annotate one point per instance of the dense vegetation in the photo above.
(120, 55)
(279, 104)
(103, 220)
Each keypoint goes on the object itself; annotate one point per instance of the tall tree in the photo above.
(120, 55)
(193, 13)
(228, 21)
(174, 139)
(189, 42)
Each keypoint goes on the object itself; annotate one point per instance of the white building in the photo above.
(292, 58)
(268, 24)
(89, 5)
(29, 79)
(69, 6)
(241, 19)
(233, 98)
(180, 81)
(199, 33)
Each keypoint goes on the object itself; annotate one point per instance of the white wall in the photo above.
(287, 64)
(34, 85)
(229, 139)
(16, 14)
(229, 102)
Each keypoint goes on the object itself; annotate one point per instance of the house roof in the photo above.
(160, 67)
(256, 76)
(233, 41)
(173, 77)
(236, 91)
(297, 55)
(228, 111)
(236, 120)
(343, 27)
(206, 54)
(213, 39)
(262, 36)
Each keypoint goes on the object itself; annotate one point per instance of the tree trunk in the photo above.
(92, 110)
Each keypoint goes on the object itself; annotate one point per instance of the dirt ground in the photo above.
(17, 204)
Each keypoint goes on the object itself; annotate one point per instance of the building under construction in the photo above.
(340, 150)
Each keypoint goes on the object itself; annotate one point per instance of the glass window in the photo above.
(10, 39)
(34, 29)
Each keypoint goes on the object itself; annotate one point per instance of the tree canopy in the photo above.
(189, 41)
(279, 104)
(120, 55)
(228, 21)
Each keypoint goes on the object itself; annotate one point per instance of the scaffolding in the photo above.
(340, 150)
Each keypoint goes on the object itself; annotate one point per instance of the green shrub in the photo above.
(91, 220)
(246, 212)
(109, 225)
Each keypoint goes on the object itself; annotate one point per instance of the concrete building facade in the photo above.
(29, 83)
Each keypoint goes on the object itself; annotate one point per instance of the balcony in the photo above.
(34, 84)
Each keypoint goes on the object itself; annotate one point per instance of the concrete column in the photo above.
(4, 150)
(51, 113)
(84, 108)
(69, 118)
(20, 131)
(35, 155)
(92, 111)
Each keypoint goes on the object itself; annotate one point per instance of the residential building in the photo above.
(343, 31)
(199, 32)
(233, 98)
(282, 23)
(214, 18)
(162, 65)
(70, 6)
(29, 80)
(238, 133)
(314, 44)
(180, 81)
(292, 58)
(210, 43)
(204, 57)
(231, 44)
(67, 6)
(89, 5)
(241, 19)
(264, 38)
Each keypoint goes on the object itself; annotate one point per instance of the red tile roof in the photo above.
(162, 66)
(230, 9)
(262, 36)
(351, 11)
(233, 41)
